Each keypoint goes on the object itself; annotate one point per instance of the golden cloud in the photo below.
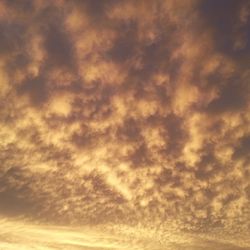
(128, 119)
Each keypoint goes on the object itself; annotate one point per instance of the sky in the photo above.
(124, 124)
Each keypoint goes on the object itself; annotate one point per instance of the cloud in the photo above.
(127, 115)
(59, 48)
(229, 26)
(24, 235)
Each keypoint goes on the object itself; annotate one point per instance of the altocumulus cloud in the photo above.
(125, 124)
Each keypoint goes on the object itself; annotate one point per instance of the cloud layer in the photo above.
(128, 114)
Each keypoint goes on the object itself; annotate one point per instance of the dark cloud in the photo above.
(242, 150)
(59, 47)
(140, 157)
(95, 9)
(22, 6)
(84, 139)
(125, 46)
(36, 89)
(224, 18)
(231, 98)
(18, 62)
(12, 37)
(176, 134)
(14, 205)
(129, 131)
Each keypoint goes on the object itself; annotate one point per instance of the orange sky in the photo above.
(125, 124)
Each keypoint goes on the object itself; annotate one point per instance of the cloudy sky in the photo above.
(125, 124)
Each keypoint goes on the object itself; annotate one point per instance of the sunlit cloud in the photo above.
(119, 116)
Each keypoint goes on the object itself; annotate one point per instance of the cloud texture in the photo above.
(131, 117)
